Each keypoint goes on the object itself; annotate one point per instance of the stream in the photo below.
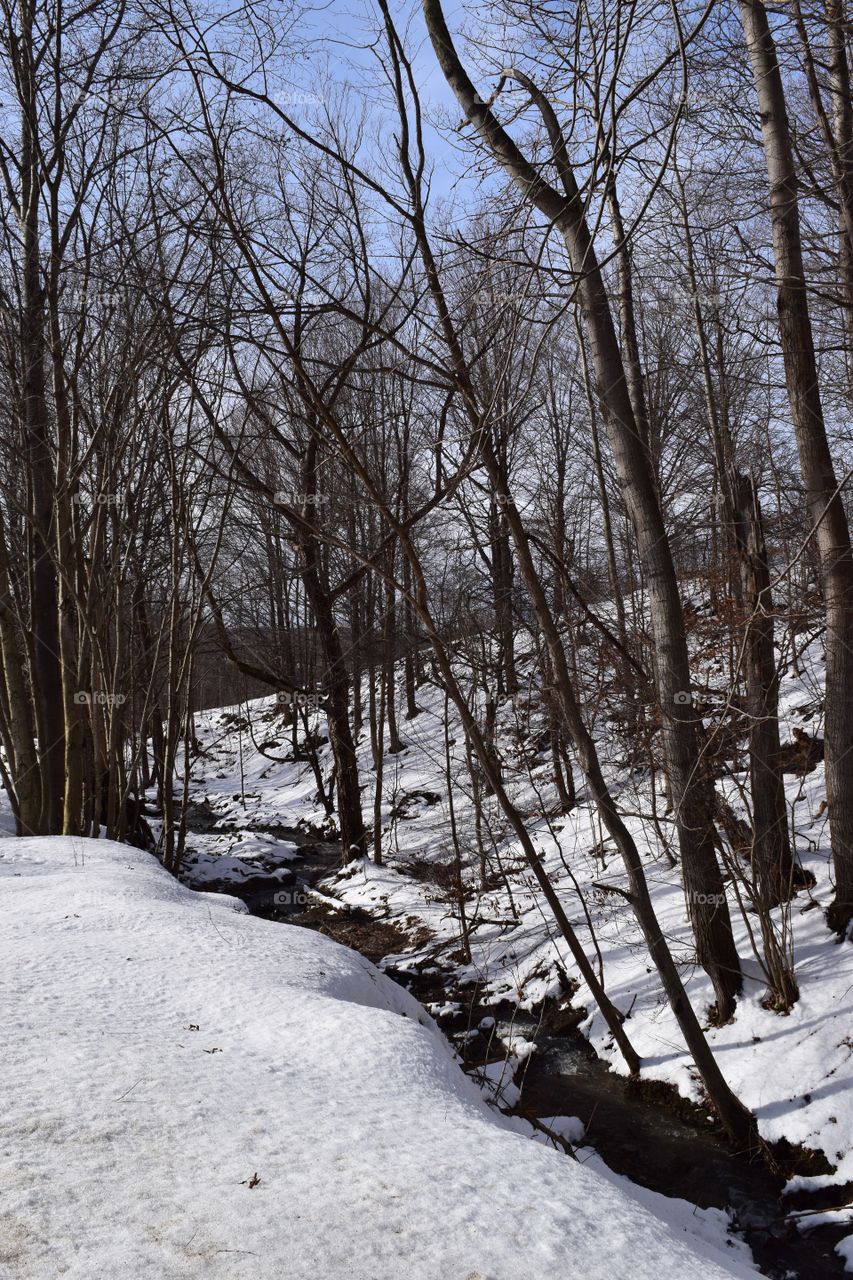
(654, 1144)
(636, 1129)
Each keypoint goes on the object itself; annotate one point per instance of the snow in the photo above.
(801, 1093)
(794, 1071)
(249, 855)
(190, 1091)
(845, 1248)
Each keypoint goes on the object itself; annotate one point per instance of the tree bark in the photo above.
(773, 864)
(692, 794)
(824, 499)
(47, 682)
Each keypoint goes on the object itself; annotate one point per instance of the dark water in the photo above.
(655, 1146)
(641, 1137)
(274, 894)
(316, 858)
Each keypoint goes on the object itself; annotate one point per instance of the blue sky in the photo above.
(343, 28)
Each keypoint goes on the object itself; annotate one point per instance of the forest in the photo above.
(426, 593)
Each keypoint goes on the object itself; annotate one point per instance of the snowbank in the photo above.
(194, 1092)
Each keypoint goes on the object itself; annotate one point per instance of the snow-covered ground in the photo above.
(190, 1091)
(795, 1071)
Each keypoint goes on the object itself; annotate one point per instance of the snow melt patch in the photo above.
(194, 1092)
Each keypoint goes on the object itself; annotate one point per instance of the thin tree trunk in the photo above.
(772, 859)
(772, 855)
(825, 503)
(23, 764)
(47, 684)
(464, 937)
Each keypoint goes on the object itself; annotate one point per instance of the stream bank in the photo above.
(641, 1130)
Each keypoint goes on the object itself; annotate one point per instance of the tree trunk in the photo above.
(825, 503)
(692, 793)
(773, 864)
(47, 681)
(23, 763)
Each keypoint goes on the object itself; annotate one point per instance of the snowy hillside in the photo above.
(194, 1092)
(793, 1071)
